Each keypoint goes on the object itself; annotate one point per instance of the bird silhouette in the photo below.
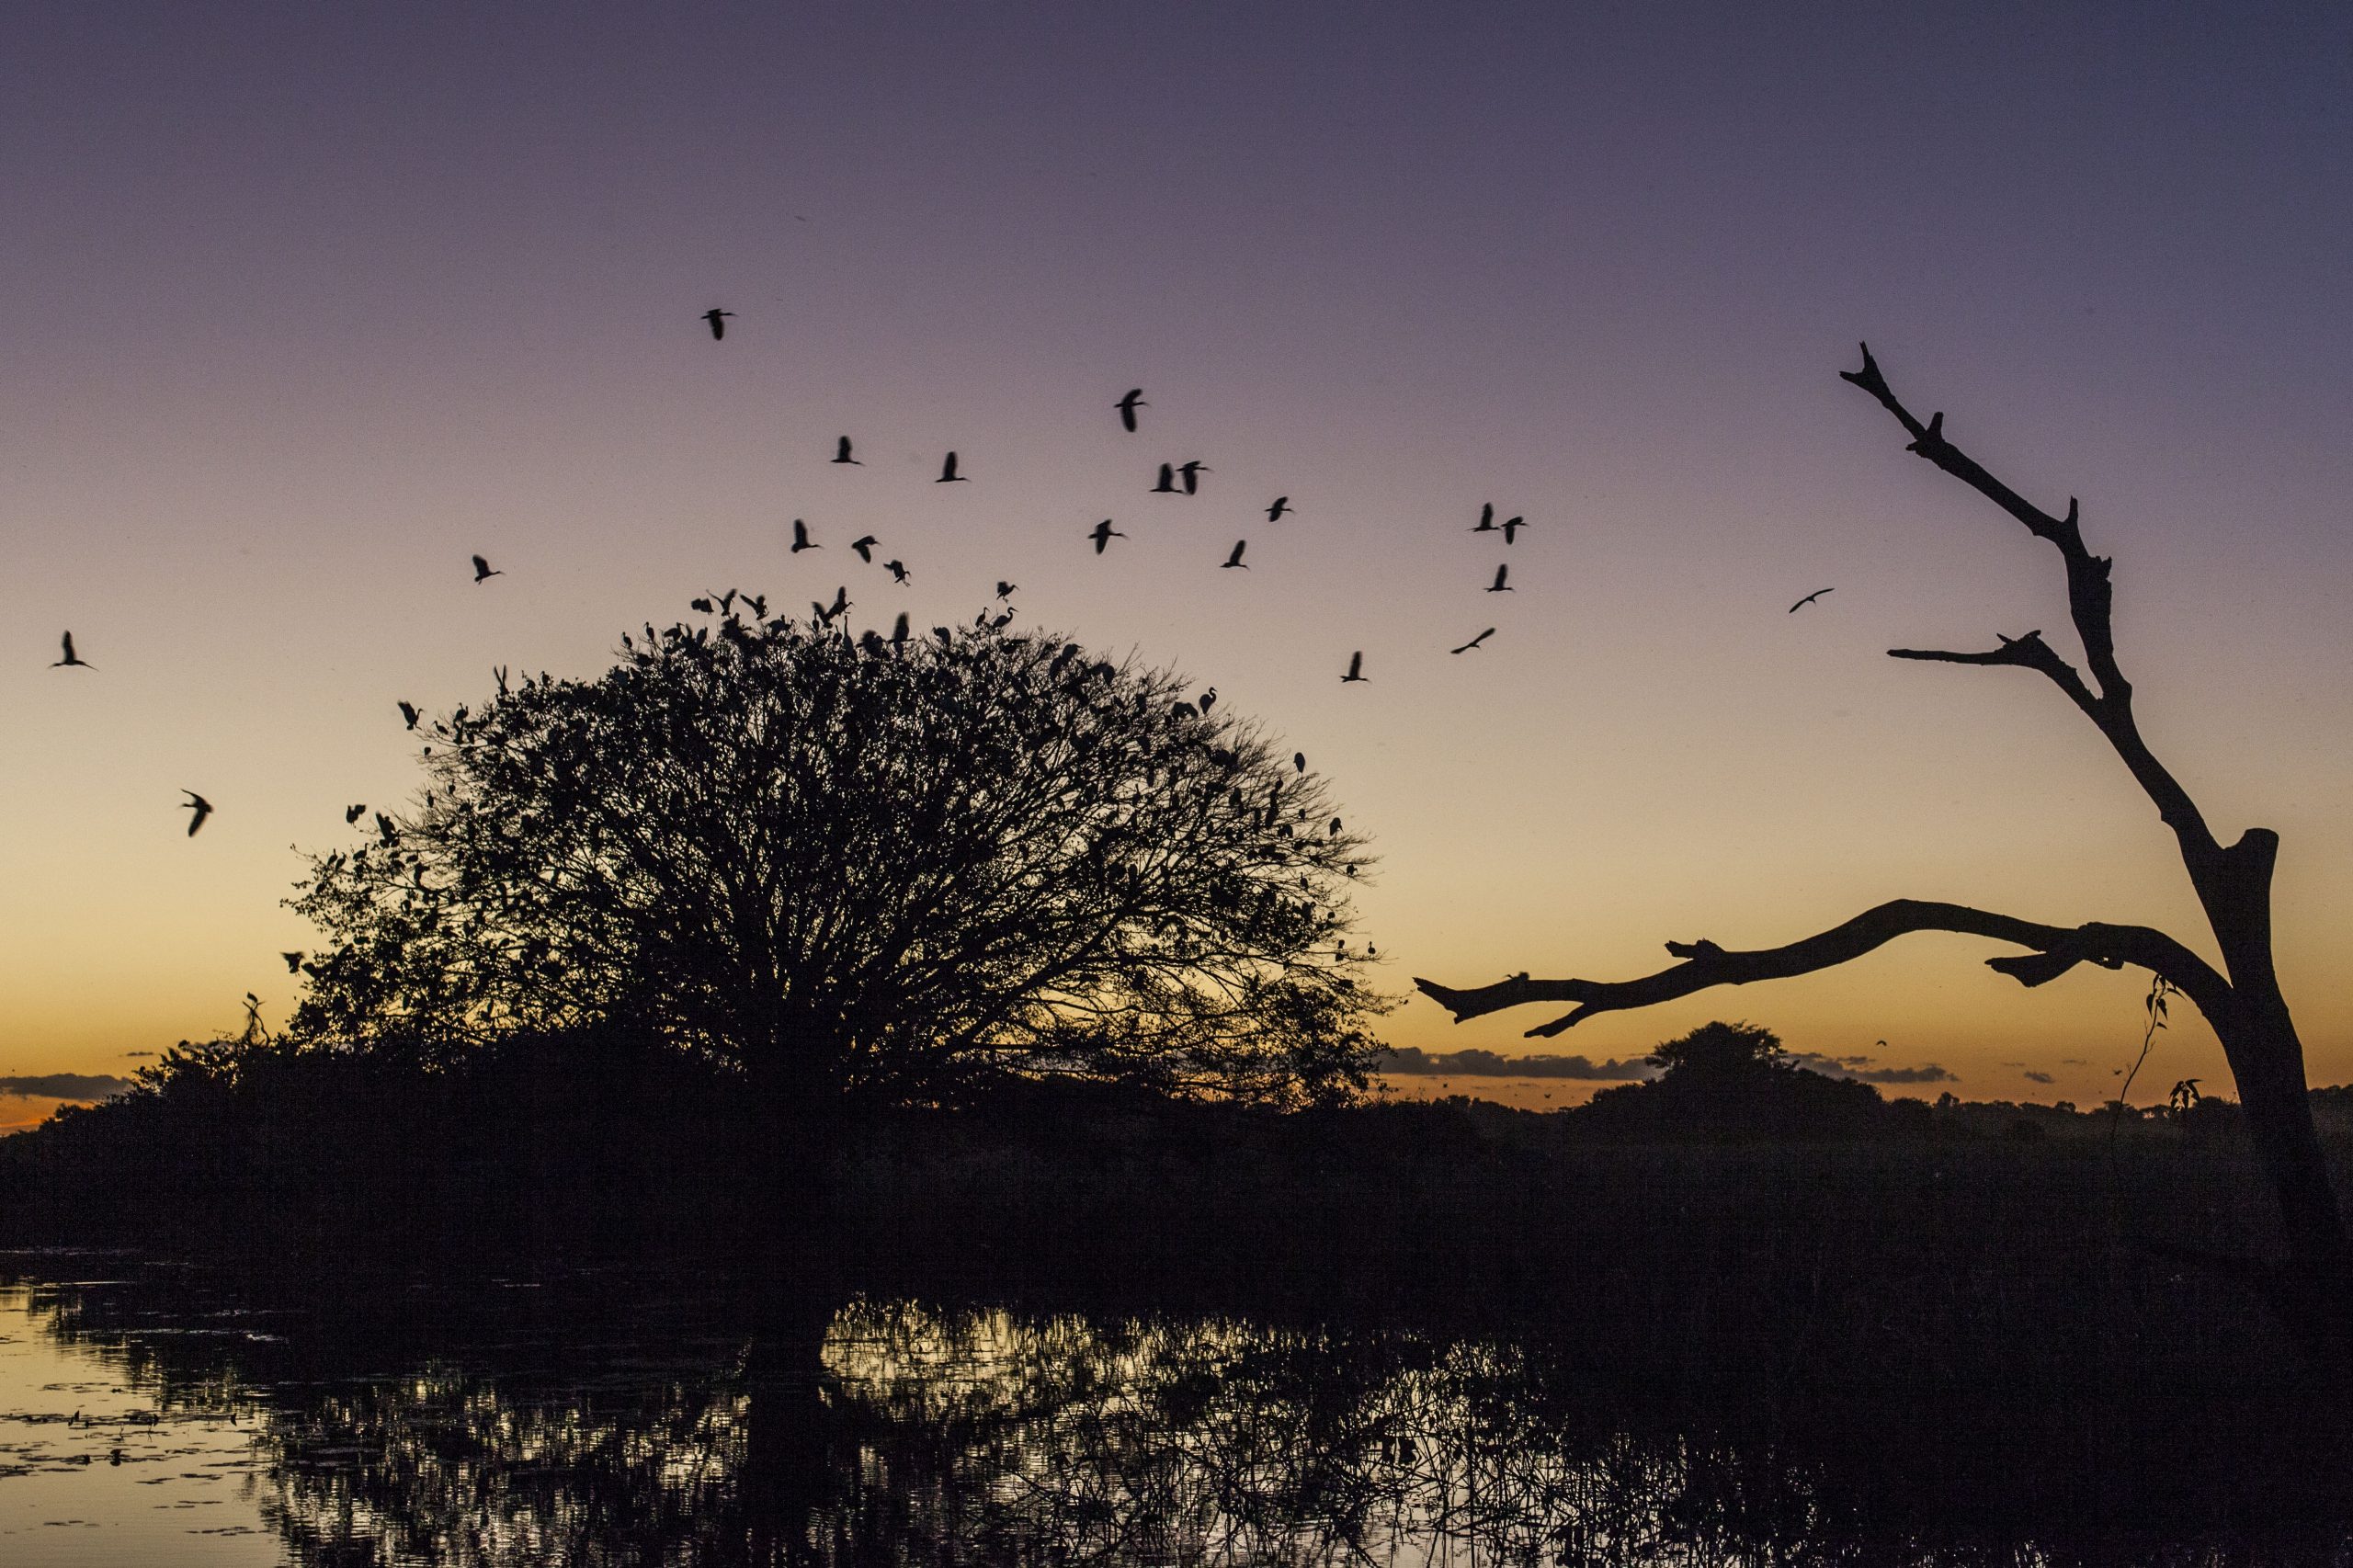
(1103, 534)
(410, 713)
(1005, 590)
(353, 813)
(1208, 699)
(800, 537)
(1192, 473)
(1235, 559)
(1167, 484)
(1299, 760)
(1127, 406)
(293, 963)
(200, 805)
(948, 475)
(71, 659)
(718, 320)
(1356, 668)
(483, 572)
(898, 570)
(841, 454)
(1809, 599)
(1280, 504)
(700, 606)
(865, 548)
(1486, 520)
(1475, 641)
(1499, 586)
(899, 631)
(1512, 527)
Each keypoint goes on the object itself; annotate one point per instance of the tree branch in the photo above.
(2056, 949)
(2029, 652)
(2090, 598)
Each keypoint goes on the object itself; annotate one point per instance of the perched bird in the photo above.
(865, 548)
(1127, 406)
(1235, 558)
(948, 475)
(1512, 527)
(483, 572)
(898, 570)
(1499, 586)
(200, 806)
(841, 454)
(1486, 520)
(718, 320)
(1809, 599)
(1208, 700)
(1356, 668)
(1103, 534)
(72, 660)
(899, 631)
(1299, 760)
(293, 963)
(1192, 473)
(1475, 641)
(1167, 485)
(1005, 590)
(353, 813)
(1335, 825)
(410, 713)
(1280, 504)
(800, 537)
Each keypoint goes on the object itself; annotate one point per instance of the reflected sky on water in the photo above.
(162, 1414)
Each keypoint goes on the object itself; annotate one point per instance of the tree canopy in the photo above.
(879, 869)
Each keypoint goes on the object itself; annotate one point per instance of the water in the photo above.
(152, 1413)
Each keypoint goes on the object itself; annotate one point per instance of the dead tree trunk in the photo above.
(2242, 1000)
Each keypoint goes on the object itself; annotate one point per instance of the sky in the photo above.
(305, 305)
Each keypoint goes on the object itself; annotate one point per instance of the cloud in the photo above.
(2034, 1077)
(1408, 1062)
(62, 1086)
(1852, 1067)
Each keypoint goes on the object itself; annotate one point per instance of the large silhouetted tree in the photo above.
(2242, 1000)
(861, 872)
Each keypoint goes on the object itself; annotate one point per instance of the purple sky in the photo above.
(303, 304)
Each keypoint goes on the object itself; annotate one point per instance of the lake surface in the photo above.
(170, 1413)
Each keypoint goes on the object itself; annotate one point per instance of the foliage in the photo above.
(1719, 1049)
(885, 870)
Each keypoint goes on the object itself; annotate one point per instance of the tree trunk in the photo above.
(2268, 1061)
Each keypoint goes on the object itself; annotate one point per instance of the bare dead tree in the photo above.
(2242, 1001)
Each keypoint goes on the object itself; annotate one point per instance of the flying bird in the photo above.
(1127, 406)
(1356, 668)
(1475, 641)
(841, 454)
(800, 537)
(293, 963)
(72, 660)
(1235, 558)
(1192, 473)
(1005, 590)
(1280, 504)
(1167, 485)
(898, 570)
(1103, 534)
(409, 713)
(353, 813)
(948, 475)
(865, 548)
(1809, 599)
(718, 320)
(482, 570)
(1486, 520)
(200, 806)
(1512, 527)
(1499, 586)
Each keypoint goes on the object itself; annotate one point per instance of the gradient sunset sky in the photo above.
(305, 305)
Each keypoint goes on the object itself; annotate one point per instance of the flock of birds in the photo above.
(1174, 479)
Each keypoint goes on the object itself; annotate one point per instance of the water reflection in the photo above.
(595, 1419)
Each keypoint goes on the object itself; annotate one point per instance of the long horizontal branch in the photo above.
(2053, 950)
(2030, 652)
